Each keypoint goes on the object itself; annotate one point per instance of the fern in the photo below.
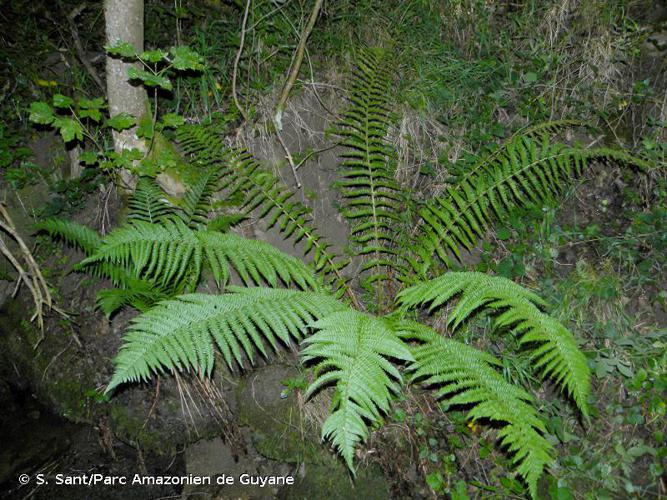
(466, 376)
(71, 232)
(554, 349)
(373, 199)
(148, 203)
(196, 203)
(353, 351)
(524, 171)
(180, 334)
(263, 192)
(131, 290)
(171, 252)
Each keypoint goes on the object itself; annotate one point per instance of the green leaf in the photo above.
(152, 56)
(122, 121)
(88, 157)
(41, 113)
(97, 103)
(69, 129)
(62, 101)
(172, 120)
(121, 49)
(184, 58)
(93, 113)
(149, 79)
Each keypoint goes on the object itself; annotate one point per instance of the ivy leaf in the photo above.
(90, 108)
(121, 49)
(88, 157)
(172, 120)
(96, 103)
(62, 101)
(145, 128)
(92, 113)
(122, 121)
(69, 129)
(149, 79)
(184, 58)
(152, 56)
(41, 112)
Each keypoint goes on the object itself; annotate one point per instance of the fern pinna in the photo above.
(373, 200)
(166, 246)
(263, 192)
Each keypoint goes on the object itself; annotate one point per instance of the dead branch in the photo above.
(296, 64)
(28, 271)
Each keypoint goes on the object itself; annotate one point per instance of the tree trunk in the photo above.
(124, 20)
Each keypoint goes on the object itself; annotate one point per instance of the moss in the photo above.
(332, 481)
(132, 428)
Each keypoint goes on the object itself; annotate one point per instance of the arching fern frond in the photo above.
(171, 252)
(72, 233)
(148, 203)
(463, 375)
(373, 199)
(268, 196)
(181, 334)
(196, 203)
(525, 170)
(353, 352)
(554, 350)
(140, 294)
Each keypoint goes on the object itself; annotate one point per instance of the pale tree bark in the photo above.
(124, 21)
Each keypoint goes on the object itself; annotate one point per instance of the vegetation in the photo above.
(501, 177)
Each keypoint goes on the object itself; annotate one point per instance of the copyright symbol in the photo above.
(24, 479)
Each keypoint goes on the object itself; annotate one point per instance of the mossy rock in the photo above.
(334, 482)
(279, 430)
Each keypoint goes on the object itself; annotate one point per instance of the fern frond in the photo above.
(554, 350)
(170, 252)
(466, 376)
(149, 203)
(196, 203)
(525, 170)
(140, 294)
(353, 351)
(163, 252)
(373, 199)
(72, 233)
(181, 334)
(253, 260)
(264, 193)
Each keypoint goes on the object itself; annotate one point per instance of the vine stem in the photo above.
(238, 58)
(296, 64)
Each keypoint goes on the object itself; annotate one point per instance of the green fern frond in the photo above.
(554, 350)
(181, 334)
(264, 193)
(466, 376)
(163, 252)
(353, 351)
(140, 294)
(171, 252)
(149, 203)
(550, 127)
(72, 233)
(526, 170)
(196, 203)
(373, 199)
